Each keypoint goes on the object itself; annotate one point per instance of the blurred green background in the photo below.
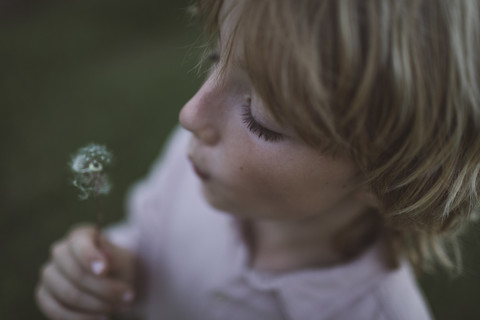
(112, 72)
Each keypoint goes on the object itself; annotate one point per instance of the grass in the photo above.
(113, 72)
(73, 73)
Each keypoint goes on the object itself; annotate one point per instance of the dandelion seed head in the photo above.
(88, 166)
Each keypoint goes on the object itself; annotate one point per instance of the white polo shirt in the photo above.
(194, 264)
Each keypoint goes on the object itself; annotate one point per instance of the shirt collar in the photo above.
(303, 293)
(330, 290)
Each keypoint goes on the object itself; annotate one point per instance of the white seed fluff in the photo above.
(88, 166)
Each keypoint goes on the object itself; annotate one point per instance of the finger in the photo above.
(85, 248)
(108, 289)
(70, 295)
(56, 311)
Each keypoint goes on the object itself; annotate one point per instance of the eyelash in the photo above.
(256, 128)
(266, 134)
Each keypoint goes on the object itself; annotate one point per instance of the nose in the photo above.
(199, 117)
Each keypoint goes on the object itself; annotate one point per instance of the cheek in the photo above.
(279, 184)
(257, 175)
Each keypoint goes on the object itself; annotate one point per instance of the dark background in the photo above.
(116, 73)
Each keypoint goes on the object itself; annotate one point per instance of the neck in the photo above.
(278, 246)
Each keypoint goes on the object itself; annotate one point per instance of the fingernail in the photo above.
(127, 296)
(97, 266)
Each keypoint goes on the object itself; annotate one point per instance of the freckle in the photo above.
(241, 168)
(344, 186)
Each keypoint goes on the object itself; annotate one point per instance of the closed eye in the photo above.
(258, 129)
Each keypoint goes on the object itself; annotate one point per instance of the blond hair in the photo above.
(394, 84)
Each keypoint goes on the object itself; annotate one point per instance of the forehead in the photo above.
(229, 11)
(228, 24)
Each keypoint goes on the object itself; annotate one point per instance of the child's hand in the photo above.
(85, 280)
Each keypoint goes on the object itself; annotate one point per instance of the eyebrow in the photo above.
(214, 56)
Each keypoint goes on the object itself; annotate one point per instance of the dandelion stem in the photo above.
(99, 214)
(99, 224)
(99, 204)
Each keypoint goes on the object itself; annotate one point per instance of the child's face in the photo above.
(254, 172)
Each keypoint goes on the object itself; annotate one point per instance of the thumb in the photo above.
(89, 249)
(121, 261)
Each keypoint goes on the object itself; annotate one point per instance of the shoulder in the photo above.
(173, 154)
(399, 297)
(148, 196)
(170, 165)
(362, 289)
(396, 296)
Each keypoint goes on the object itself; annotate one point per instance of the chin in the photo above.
(214, 199)
(219, 201)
